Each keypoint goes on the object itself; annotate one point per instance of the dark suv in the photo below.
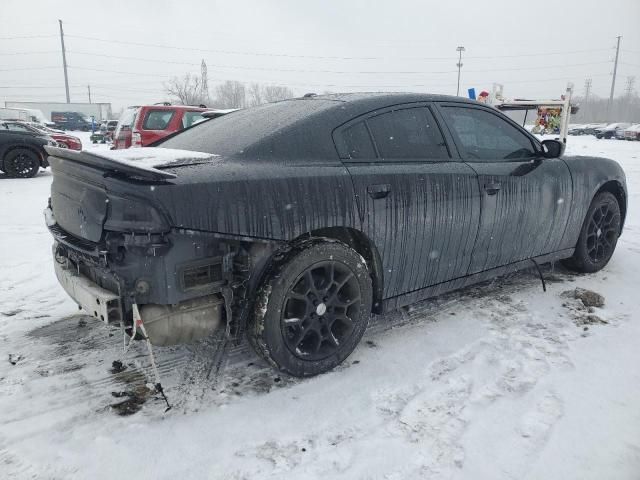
(294, 221)
(71, 121)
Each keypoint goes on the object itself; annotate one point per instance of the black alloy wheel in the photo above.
(599, 235)
(21, 163)
(602, 232)
(317, 313)
(312, 308)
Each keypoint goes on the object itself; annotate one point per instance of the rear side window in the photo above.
(157, 119)
(190, 118)
(357, 142)
(408, 133)
(487, 137)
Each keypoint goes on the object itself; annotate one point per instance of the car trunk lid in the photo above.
(79, 192)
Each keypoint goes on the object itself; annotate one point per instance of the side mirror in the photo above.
(552, 148)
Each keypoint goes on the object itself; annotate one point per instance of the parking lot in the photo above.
(499, 380)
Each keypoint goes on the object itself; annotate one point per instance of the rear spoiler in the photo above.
(102, 162)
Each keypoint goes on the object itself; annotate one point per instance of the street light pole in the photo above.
(459, 64)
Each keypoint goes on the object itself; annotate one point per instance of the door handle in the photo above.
(492, 188)
(379, 191)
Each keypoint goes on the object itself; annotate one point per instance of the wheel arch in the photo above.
(359, 242)
(617, 190)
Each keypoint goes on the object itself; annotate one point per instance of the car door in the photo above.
(418, 205)
(526, 199)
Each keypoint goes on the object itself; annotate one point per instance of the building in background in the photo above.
(100, 111)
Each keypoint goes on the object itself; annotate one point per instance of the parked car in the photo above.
(22, 151)
(71, 121)
(141, 126)
(633, 132)
(24, 114)
(611, 130)
(63, 139)
(576, 129)
(590, 129)
(295, 220)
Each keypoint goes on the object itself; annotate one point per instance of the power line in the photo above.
(20, 37)
(25, 69)
(339, 72)
(219, 51)
(285, 55)
(28, 53)
(302, 84)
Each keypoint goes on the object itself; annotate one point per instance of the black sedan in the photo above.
(22, 150)
(294, 221)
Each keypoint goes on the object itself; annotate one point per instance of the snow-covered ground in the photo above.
(500, 381)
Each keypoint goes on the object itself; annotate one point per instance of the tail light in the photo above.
(136, 139)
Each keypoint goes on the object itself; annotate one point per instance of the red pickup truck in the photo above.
(140, 126)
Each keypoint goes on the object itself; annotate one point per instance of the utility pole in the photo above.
(587, 89)
(613, 81)
(459, 64)
(631, 83)
(204, 82)
(89, 92)
(64, 62)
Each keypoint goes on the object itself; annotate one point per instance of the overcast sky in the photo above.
(533, 48)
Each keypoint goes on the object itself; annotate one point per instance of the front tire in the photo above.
(21, 163)
(312, 308)
(599, 235)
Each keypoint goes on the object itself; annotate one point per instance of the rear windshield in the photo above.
(238, 130)
(191, 118)
(127, 117)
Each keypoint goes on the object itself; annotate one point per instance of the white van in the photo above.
(25, 115)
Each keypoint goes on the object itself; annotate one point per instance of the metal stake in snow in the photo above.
(138, 324)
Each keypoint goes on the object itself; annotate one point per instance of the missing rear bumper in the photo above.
(93, 299)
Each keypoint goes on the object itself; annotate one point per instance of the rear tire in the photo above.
(21, 163)
(312, 309)
(599, 235)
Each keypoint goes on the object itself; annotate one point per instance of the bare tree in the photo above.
(189, 90)
(186, 90)
(231, 94)
(625, 108)
(273, 93)
(255, 95)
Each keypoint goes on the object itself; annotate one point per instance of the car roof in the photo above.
(177, 107)
(295, 128)
(383, 98)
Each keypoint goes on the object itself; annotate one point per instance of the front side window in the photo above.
(157, 119)
(408, 133)
(485, 136)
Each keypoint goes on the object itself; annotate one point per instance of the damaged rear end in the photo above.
(115, 246)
